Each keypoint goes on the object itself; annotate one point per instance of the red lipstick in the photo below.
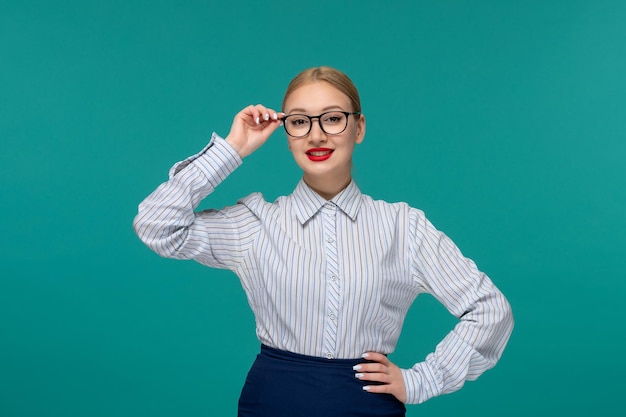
(319, 154)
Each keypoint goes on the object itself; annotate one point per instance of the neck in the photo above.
(327, 189)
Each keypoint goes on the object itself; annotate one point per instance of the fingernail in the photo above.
(356, 368)
(275, 116)
(365, 355)
(267, 116)
(366, 388)
(359, 375)
(258, 120)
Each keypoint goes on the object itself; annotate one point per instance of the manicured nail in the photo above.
(267, 116)
(258, 120)
(275, 116)
(366, 388)
(356, 368)
(365, 355)
(359, 375)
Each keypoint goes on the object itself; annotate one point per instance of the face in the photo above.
(325, 159)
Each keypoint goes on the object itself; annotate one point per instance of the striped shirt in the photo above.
(331, 278)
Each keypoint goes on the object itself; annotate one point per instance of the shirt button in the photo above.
(329, 355)
(334, 278)
(332, 316)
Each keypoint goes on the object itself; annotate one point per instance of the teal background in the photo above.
(504, 120)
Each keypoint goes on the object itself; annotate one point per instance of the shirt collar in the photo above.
(308, 202)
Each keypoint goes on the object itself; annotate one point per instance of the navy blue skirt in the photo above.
(285, 384)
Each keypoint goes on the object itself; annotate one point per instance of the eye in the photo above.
(334, 118)
(298, 121)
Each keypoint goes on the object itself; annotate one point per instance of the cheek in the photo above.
(352, 137)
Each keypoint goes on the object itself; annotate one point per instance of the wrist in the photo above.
(233, 144)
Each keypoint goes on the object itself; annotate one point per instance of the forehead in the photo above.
(316, 96)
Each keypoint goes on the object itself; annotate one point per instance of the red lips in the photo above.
(319, 154)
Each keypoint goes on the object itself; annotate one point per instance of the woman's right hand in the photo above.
(251, 127)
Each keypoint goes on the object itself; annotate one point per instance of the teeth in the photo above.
(319, 153)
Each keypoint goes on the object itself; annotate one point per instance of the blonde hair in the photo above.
(332, 76)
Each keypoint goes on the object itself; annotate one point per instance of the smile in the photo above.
(319, 154)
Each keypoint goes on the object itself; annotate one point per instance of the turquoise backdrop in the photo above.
(505, 121)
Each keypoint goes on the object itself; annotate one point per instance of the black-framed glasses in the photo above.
(331, 122)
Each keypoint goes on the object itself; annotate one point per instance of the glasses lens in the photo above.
(297, 125)
(334, 122)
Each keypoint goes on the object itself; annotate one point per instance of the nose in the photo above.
(316, 134)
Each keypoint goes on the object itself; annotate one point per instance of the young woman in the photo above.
(329, 272)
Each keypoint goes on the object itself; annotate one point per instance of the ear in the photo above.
(360, 129)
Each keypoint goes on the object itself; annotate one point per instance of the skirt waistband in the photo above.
(306, 359)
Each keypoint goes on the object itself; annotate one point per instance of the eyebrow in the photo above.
(334, 107)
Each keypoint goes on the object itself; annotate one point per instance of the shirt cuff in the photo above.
(421, 383)
(216, 160)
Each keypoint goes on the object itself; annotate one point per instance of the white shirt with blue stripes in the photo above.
(331, 278)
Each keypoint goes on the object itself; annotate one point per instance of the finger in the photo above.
(250, 115)
(395, 390)
(272, 116)
(371, 367)
(374, 377)
(378, 389)
(265, 114)
(376, 357)
(378, 363)
(256, 114)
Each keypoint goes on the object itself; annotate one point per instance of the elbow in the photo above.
(506, 316)
(138, 226)
(155, 236)
(493, 310)
(503, 323)
(141, 227)
(495, 318)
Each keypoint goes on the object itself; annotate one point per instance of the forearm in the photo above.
(473, 347)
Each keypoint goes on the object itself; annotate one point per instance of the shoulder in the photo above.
(400, 216)
(258, 205)
(399, 208)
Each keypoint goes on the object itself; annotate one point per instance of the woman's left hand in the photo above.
(384, 371)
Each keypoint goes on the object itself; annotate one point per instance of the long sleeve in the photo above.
(485, 317)
(166, 221)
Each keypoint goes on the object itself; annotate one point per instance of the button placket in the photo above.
(329, 212)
